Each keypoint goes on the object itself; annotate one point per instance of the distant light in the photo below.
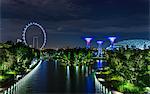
(88, 39)
(99, 42)
(112, 39)
(19, 40)
(101, 79)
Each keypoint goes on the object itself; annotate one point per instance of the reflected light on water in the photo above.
(77, 76)
(99, 63)
(90, 70)
(68, 72)
(56, 65)
(77, 70)
(68, 79)
(82, 70)
(86, 74)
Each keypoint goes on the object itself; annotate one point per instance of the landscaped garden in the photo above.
(128, 71)
(73, 57)
(15, 59)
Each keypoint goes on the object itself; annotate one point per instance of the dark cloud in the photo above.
(72, 9)
(76, 18)
(47, 10)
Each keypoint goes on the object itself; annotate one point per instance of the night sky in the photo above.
(68, 21)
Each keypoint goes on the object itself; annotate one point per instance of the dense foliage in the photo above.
(15, 59)
(81, 56)
(129, 70)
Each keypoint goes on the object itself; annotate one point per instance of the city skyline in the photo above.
(67, 21)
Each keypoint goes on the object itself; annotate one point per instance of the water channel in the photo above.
(52, 78)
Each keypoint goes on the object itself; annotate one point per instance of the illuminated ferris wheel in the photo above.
(26, 28)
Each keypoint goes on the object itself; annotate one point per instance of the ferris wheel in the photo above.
(34, 24)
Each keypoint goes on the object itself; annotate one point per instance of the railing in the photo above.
(100, 88)
(13, 88)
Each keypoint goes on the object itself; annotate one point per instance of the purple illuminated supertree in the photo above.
(112, 40)
(99, 42)
(88, 40)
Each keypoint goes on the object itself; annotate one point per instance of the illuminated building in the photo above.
(134, 44)
(137, 43)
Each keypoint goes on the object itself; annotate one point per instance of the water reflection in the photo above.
(90, 84)
(90, 69)
(65, 79)
(82, 70)
(86, 73)
(56, 64)
(99, 63)
(77, 70)
(68, 79)
(68, 73)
